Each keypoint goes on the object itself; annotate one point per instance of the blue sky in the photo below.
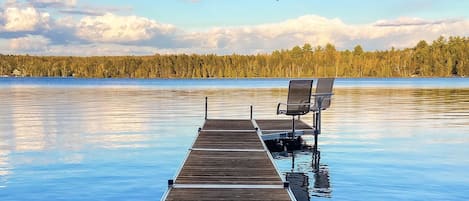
(209, 13)
(142, 27)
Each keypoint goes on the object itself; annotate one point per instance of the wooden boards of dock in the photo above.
(229, 161)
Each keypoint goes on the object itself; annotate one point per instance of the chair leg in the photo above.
(293, 128)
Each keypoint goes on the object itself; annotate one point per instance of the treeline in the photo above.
(444, 57)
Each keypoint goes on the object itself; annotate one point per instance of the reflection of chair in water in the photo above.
(299, 100)
(321, 184)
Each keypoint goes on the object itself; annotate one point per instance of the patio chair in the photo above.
(322, 97)
(299, 100)
(322, 101)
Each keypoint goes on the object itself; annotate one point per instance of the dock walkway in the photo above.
(229, 161)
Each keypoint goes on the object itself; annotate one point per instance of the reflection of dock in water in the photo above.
(300, 183)
(307, 177)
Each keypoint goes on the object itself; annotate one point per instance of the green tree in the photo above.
(444, 57)
(307, 47)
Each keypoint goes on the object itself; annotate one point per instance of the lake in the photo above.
(122, 139)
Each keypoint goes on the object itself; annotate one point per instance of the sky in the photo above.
(147, 27)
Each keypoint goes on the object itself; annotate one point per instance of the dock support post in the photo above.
(317, 124)
(317, 115)
(293, 128)
(317, 130)
(170, 183)
(206, 107)
(251, 113)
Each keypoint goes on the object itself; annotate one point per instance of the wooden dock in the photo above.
(229, 161)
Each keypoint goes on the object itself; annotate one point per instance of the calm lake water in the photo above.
(122, 139)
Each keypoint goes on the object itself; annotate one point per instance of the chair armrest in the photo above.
(322, 94)
(319, 97)
(278, 107)
(293, 104)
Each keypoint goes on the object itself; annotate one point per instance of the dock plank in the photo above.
(222, 194)
(233, 167)
(225, 124)
(227, 140)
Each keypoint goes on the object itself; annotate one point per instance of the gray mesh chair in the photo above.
(322, 97)
(299, 100)
(322, 100)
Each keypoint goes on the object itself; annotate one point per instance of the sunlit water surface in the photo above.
(91, 139)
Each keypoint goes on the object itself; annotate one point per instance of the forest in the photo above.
(443, 57)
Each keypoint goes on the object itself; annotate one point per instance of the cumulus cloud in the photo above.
(108, 33)
(406, 32)
(24, 19)
(114, 28)
(317, 30)
(311, 29)
(29, 43)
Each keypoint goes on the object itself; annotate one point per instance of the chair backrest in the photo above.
(324, 85)
(299, 92)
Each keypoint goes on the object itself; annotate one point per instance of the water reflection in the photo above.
(5, 167)
(57, 118)
(309, 177)
(380, 130)
(322, 186)
(383, 140)
(374, 113)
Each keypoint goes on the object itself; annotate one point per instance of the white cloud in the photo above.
(112, 34)
(67, 21)
(114, 28)
(406, 32)
(24, 19)
(29, 43)
(311, 29)
(9, 3)
(317, 30)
